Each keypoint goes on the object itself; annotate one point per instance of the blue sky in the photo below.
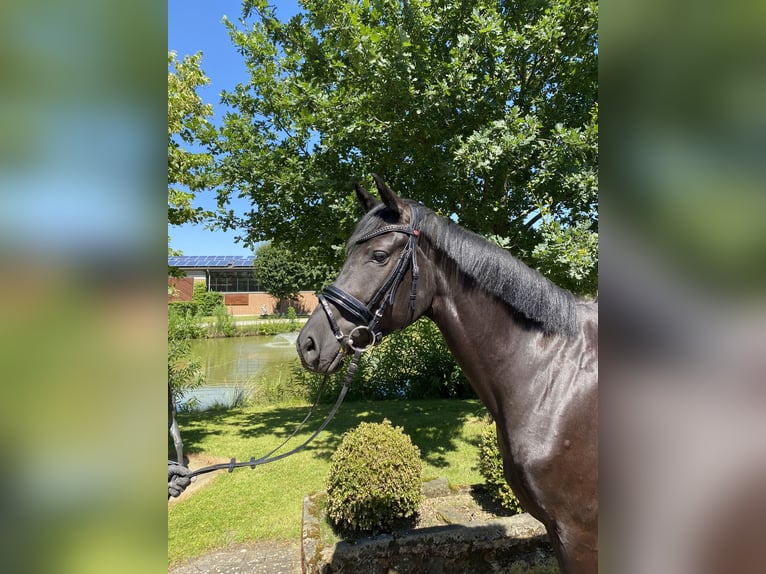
(193, 26)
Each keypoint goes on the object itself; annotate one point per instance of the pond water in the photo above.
(234, 366)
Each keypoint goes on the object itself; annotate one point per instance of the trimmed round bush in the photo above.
(491, 468)
(374, 479)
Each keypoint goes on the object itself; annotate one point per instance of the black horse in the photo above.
(528, 347)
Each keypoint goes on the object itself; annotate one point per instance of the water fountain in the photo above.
(284, 340)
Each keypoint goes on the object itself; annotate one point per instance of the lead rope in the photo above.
(267, 458)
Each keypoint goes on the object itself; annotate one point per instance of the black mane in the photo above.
(493, 270)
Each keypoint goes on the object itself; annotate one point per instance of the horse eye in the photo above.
(379, 256)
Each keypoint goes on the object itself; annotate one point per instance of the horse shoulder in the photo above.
(553, 428)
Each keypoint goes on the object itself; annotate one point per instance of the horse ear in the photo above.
(387, 194)
(365, 198)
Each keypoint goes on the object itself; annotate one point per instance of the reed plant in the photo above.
(222, 324)
(264, 327)
(238, 398)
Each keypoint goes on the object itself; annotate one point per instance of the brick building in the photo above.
(232, 276)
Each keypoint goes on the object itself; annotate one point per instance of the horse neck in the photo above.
(489, 343)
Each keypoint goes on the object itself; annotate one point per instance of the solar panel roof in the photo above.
(209, 261)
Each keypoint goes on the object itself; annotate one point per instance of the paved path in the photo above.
(249, 558)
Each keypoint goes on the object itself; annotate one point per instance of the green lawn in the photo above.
(266, 503)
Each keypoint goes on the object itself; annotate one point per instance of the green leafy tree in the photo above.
(188, 125)
(188, 173)
(284, 274)
(184, 371)
(484, 110)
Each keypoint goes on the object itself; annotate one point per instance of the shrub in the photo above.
(206, 300)
(416, 364)
(491, 468)
(411, 364)
(183, 308)
(374, 479)
(182, 321)
(184, 370)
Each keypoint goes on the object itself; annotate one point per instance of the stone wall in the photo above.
(498, 545)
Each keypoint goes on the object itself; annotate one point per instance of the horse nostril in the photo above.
(307, 350)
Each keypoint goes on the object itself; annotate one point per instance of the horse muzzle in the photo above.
(319, 354)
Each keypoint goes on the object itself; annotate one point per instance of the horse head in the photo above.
(383, 285)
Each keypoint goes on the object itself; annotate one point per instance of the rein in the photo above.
(369, 315)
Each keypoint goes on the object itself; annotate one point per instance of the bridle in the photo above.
(369, 315)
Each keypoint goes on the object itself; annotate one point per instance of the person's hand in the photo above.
(177, 479)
